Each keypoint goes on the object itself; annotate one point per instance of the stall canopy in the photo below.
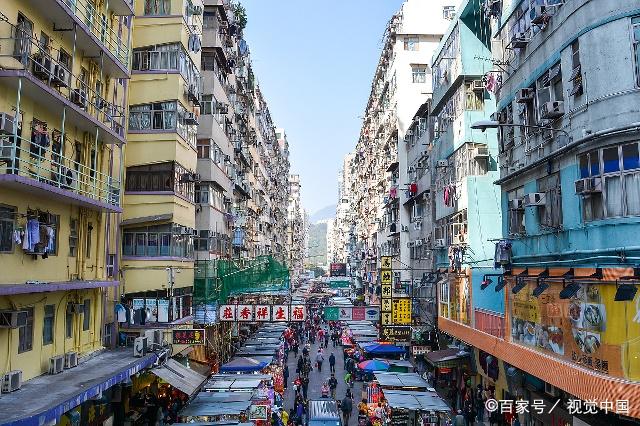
(246, 364)
(383, 349)
(205, 408)
(232, 384)
(401, 380)
(179, 376)
(423, 401)
(446, 357)
(223, 397)
(373, 365)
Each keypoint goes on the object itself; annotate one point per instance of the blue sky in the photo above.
(314, 62)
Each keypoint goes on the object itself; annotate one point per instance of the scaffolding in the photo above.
(216, 280)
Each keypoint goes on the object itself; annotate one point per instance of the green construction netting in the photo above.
(216, 280)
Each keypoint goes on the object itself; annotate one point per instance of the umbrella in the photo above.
(373, 365)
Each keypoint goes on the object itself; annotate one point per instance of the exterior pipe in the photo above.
(607, 132)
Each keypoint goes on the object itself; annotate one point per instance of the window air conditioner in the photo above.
(525, 95)
(588, 185)
(190, 118)
(12, 381)
(550, 110)
(67, 178)
(440, 243)
(442, 163)
(417, 226)
(13, 319)
(481, 152)
(79, 97)
(140, 347)
(410, 244)
(516, 204)
(42, 66)
(56, 364)
(535, 199)
(405, 228)
(477, 86)
(418, 243)
(70, 360)
(6, 124)
(519, 40)
(61, 76)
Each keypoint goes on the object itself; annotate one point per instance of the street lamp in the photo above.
(493, 124)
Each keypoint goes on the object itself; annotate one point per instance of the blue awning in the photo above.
(383, 349)
(245, 364)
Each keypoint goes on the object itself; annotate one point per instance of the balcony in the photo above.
(34, 167)
(39, 76)
(94, 37)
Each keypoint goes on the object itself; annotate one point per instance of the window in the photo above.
(550, 214)
(7, 223)
(157, 7)
(73, 237)
(68, 325)
(635, 30)
(549, 88)
(161, 177)
(64, 58)
(86, 315)
(202, 194)
(419, 73)
(516, 212)
(449, 12)
(25, 333)
(207, 104)
(48, 225)
(473, 99)
(411, 43)
(158, 241)
(618, 168)
(48, 324)
(44, 43)
(111, 265)
(163, 116)
(88, 247)
(576, 73)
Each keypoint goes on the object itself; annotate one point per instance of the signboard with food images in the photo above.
(578, 329)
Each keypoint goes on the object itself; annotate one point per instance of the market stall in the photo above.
(244, 364)
(411, 408)
(383, 349)
(208, 411)
(401, 381)
(400, 366)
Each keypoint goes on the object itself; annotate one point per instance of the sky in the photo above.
(314, 62)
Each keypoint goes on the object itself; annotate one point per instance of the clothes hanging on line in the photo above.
(502, 255)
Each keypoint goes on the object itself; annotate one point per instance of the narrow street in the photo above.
(316, 379)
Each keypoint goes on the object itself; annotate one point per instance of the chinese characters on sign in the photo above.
(245, 313)
(262, 313)
(188, 336)
(281, 313)
(539, 406)
(227, 312)
(338, 270)
(401, 310)
(298, 313)
(396, 333)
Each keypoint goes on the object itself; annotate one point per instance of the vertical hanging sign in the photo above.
(386, 293)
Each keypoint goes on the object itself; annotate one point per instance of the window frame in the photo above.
(48, 324)
(73, 237)
(520, 219)
(635, 46)
(419, 73)
(8, 220)
(25, 333)
(157, 7)
(86, 315)
(411, 43)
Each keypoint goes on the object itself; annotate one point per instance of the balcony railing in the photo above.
(24, 54)
(40, 159)
(98, 24)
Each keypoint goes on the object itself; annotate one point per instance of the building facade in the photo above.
(296, 232)
(568, 161)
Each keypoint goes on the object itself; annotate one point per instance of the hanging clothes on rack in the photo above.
(32, 235)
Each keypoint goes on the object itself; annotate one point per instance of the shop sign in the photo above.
(401, 310)
(395, 333)
(163, 310)
(227, 312)
(385, 305)
(331, 313)
(386, 291)
(245, 312)
(385, 262)
(258, 412)
(372, 313)
(188, 336)
(385, 319)
(298, 312)
(263, 312)
(338, 270)
(420, 350)
(345, 314)
(357, 313)
(386, 277)
(280, 313)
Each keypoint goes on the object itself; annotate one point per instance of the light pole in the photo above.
(483, 125)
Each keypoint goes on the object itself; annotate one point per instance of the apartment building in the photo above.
(296, 232)
(64, 69)
(566, 76)
(400, 85)
(342, 221)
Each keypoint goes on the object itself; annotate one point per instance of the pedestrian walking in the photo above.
(326, 340)
(333, 385)
(305, 387)
(459, 419)
(346, 406)
(294, 347)
(285, 375)
(300, 365)
(332, 363)
(324, 390)
(348, 380)
(319, 360)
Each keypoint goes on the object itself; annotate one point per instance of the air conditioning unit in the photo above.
(61, 76)
(417, 226)
(6, 123)
(440, 243)
(56, 364)
(442, 164)
(67, 178)
(222, 108)
(481, 152)
(519, 40)
(535, 199)
(418, 243)
(70, 360)
(525, 95)
(477, 86)
(100, 102)
(13, 319)
(405, 228)
(140, 347)
(12, 381)
(42, 67)
(75, 308)
(516, 204)
(588, 185)
(410, 244)
(187, 178)
(79, 97)
(190, 118)
(411, 169)
(196, 10)
(553, 109)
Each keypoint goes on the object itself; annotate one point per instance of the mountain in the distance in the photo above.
(324, 213)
